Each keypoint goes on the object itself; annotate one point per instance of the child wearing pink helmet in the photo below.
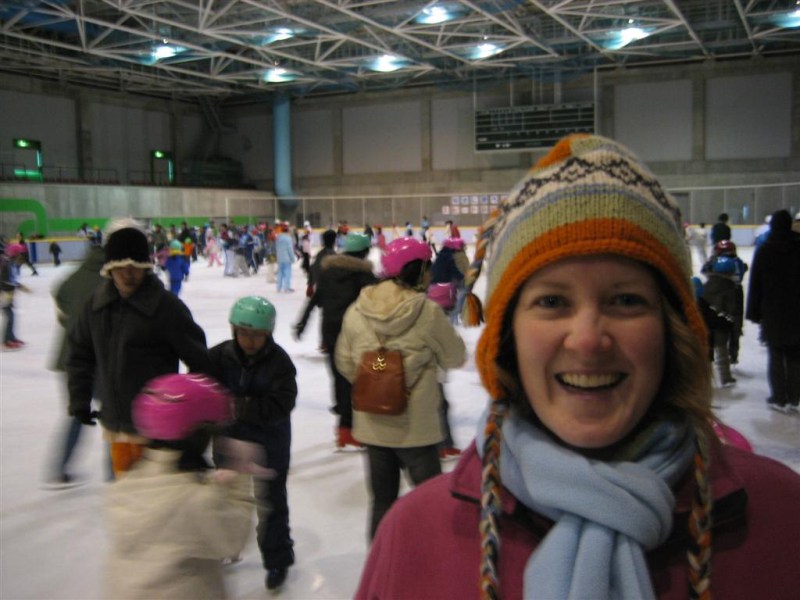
(396, 314)
(10, 260)
(171, 519)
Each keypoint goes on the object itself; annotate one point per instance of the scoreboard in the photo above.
(524, 127)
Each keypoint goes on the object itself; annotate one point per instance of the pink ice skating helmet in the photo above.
(454, 243)
(170, 407)
(13, 250)
(400, 252)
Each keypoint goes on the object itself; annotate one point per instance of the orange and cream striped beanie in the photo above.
(588, 195)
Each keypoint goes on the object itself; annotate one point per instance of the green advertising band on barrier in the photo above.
(27, 205)
(41, 225)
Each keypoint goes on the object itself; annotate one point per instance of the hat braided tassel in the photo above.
(472, 313)
(491, 504)
(699, 553)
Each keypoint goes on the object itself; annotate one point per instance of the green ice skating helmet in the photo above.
(253, 312)
(356, 242)
(175, 247)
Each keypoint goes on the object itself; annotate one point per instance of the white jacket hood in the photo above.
(389, 308)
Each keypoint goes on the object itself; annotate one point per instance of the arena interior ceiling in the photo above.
(234, 51)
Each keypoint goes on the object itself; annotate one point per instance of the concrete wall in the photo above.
(727, 124)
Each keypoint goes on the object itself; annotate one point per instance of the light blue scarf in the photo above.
(607, 514)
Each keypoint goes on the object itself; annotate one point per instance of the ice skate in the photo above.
(63, 482)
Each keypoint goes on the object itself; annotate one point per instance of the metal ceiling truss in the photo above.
(221, 49)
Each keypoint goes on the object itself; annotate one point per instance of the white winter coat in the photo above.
(418, 327)
(170, 530)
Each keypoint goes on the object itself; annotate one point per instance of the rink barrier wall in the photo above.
(74, 248)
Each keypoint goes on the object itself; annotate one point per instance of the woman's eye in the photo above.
(549, 302)
(629, 300)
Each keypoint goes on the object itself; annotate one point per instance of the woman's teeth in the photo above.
(584, 381)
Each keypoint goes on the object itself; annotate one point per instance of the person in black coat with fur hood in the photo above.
(341, 278)
(129, 331)
(773, 298)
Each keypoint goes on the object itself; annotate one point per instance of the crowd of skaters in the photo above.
(124, 272)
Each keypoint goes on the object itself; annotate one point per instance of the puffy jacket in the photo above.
(169, 530)
(428, 546)
(341, 278)
(117, 345)
(264, 385)
(406, 321)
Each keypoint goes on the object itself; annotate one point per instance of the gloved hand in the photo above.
(298, 330)
(86, 416)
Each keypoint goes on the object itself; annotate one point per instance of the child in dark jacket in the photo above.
(171, 519)
(720, 293)
(177, 267)
(261, 376)
(725, 251)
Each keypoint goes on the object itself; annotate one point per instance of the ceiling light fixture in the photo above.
(386, 63)
(433, 15)
(162, 51)
(277, 34)
(279, 75)
(623, 37)
(485, 50)
(788, 19)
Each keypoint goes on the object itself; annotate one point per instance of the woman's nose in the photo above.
(588, 333)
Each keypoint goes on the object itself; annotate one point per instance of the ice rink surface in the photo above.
(53, 543)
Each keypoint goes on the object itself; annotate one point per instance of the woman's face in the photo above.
(590, 342)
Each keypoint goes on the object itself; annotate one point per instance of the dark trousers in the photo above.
(783, 372)
(8, 333)
(272, 533)
(738, 320)
(71, 435)
(29, 264)
(342, 390)
(444, 409)
(69, 441)
(385, 465)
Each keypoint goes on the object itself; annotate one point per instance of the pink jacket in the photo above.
(428, 545)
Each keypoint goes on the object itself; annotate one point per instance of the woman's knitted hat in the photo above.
(588, 195)
(126, 244)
